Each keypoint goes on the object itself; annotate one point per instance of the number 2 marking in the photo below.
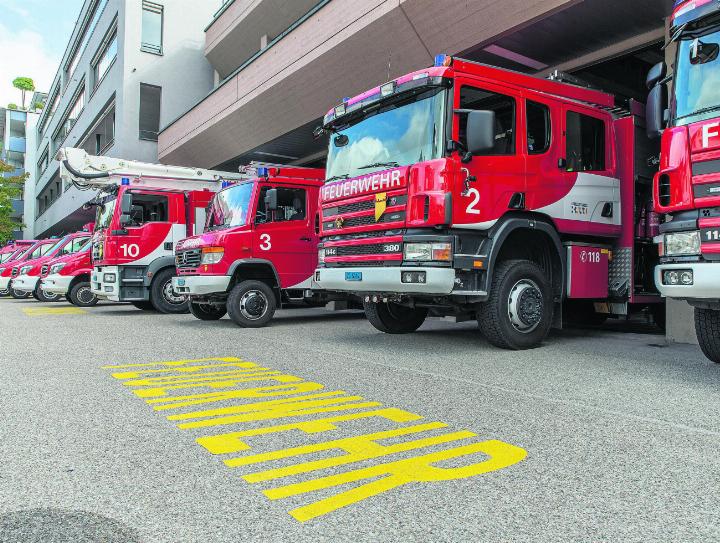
(471, 209)
(131, 250)
(265, 244)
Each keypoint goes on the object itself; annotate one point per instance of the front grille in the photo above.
(664, 190)
(366, 220)
(188, 259)
(374, 249)
(44, 270)
(349, 208)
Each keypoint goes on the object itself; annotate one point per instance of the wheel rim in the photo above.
(253, 305)
(85, 295)
(525, 306)
(50, 297)
(4, 292)
(171, 296)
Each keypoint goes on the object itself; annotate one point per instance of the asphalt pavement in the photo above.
(118, 425)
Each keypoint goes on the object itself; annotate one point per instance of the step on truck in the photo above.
(11, 269)
(143, 210)
(259, 249)
(687, 185)
(69, 276)
(28, 280)
(9, 253)
(478, 193)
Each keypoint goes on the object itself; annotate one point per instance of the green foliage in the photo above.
(12, 106)
(38, 105)
(10, 188)
(24, 84)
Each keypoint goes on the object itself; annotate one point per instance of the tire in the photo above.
(392, 318)
(251, 304)
(707, 327)
(582, 312)
(81, 295)
(163, 296)
(18, 295)
(144, 306)
(519, 312)
(41, 296)
(207, 312)
(4, 293)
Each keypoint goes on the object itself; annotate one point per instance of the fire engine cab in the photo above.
(475, 192)
(687, 187)
(143, 210)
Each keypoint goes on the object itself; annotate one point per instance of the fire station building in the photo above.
(279, 66)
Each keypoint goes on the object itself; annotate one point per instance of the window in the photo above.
(149, 111)
(74, 246)
(148, 208)
(51, 105)
(102, 135)
(504, 108)
(105, 57)
(539, 131)
(291, 206)
(89, 23)
(585, 143)
(43, 163)
(70, 118)
(152, 27)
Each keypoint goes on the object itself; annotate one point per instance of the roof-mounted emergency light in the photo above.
(340, 110)
(125, 181)
(443, 60)
(263, 171)
(225, 184)
(387, 89)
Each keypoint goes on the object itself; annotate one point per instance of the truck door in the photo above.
(493, 182)
(285, 236)
(157, 223)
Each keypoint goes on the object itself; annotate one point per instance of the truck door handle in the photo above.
(305, 239)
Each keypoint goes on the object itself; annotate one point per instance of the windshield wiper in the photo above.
(379, 165)
(700, 111)
(336, 177)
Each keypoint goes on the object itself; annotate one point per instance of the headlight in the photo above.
(682, 243)
(428, 252)
(56, 268)
(321, 256)
(25, 269)
(109, 277)
(212, 255)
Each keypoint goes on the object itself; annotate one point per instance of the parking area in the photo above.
(126, 425)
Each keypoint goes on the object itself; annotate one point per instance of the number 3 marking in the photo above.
(265, 244)
(471, 209)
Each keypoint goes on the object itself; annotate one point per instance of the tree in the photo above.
(11, 187)
(12, 106)
(25, 84)
(38, 106)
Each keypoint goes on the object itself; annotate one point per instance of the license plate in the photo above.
(353, 276)
(181, 282)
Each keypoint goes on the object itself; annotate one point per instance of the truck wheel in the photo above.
(519, 312)
(144, 306)
(42, 296)
(163, 296)
(393, 318)
(19, 295)
(207, 312)
(707, 327)
(251, 304)
(81, 295)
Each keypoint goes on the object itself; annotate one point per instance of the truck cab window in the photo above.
(148, 208)
(292, 206)
(585, 143)
(539, 128)
(504, 108)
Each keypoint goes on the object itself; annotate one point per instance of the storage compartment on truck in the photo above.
(587, 270)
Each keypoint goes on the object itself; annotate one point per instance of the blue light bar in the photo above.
(125, 181)
(262, 171)
(226, 184)
(440, 60)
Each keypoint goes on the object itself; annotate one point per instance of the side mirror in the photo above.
(271, 201)
(656, 74)
(655, 111)
(126, 203)
(480, 131)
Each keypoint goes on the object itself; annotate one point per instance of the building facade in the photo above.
(129, 68)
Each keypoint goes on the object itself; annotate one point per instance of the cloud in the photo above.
(24, 54)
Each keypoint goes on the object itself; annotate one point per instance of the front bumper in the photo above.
(439, 281)
(5, 282)
(26, 283)
(201, 285)
(56, 283)
(706, 281)
(100, 287)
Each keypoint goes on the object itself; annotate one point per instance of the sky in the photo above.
(33, 36)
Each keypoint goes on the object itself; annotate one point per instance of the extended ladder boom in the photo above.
(101, 172)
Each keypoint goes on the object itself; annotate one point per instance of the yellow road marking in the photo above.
(44, 311)
(158, 383)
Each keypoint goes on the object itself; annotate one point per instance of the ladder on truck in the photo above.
(89, 172)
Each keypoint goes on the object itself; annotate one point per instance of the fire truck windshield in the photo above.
(104, 215)
(397, 133)
(229, 207)
(697, 79)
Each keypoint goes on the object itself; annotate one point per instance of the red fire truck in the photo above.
(470, 191)
(28, 278)
(10, 253)
(11, 269)
(259, 249)
(687, 187)
(69, 276)
(143, 210)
